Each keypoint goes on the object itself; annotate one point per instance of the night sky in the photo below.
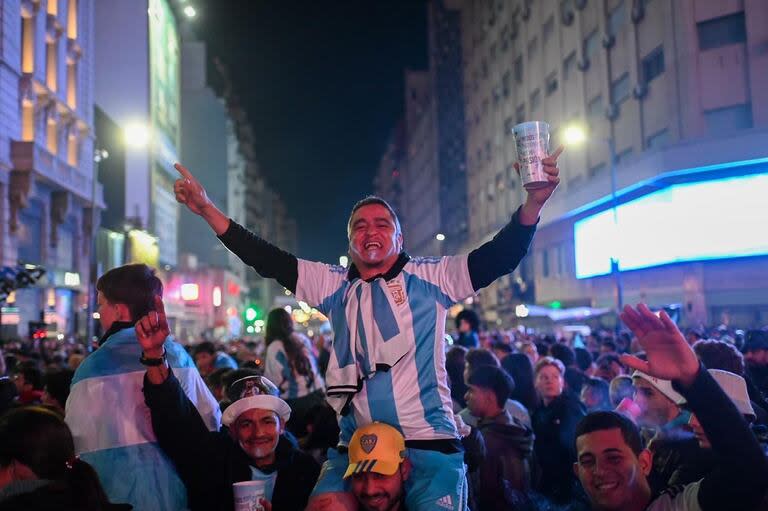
(322, 83)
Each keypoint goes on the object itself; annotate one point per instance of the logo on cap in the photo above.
(368, 442)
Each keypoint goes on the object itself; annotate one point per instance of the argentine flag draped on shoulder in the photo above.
(112, 426)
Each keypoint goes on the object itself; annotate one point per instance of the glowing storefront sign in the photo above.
(718, 219)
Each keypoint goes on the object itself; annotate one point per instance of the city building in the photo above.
(137, 85)
(47, 188)
(423, 170)
(672, 96)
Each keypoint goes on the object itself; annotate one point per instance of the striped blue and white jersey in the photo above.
(112, 427)
(397, 323)
(279, 371)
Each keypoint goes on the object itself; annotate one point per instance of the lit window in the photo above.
(27, 120)
(72, 85)
(73, 146)
(28, 45)
(52, 136)
(190, 292)
(72, 19)
(51, 66)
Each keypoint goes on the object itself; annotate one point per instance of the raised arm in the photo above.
(742, 470)
(504, 252)
(268, 260)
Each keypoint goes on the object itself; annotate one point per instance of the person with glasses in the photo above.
(250, 447)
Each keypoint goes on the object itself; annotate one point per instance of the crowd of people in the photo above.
(390, 414)
(523, 403)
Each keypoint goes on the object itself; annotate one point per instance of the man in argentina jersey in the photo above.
(388, 312)
(110, 422)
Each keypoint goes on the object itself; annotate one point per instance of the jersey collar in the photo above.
(390, 274)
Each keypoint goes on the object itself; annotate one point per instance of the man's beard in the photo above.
(392, 503)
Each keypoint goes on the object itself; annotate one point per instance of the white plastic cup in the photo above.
(532, 142)
(248, 495)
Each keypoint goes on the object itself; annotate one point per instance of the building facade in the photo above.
(138, 63)
(47, 185)
(672, 94)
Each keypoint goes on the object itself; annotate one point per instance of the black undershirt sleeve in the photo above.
(502, 254)
(268, 260)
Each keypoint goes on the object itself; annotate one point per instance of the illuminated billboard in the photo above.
(164, 66)
(719, 219)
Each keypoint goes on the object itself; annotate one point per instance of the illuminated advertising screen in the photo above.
(164, 75)
(164, 64)
(717, 219)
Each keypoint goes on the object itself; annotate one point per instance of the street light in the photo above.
(136, 135)
(99, 155)
(577, 135)
(190, 11)
(440, 236)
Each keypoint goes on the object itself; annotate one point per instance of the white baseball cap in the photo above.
(663, 386)
(735, 388)
(254, 392)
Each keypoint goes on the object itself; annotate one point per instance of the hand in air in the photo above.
(152, 330)
(189, 191)
(669, 355)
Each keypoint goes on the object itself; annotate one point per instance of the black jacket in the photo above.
(555, 428)
(504, 476)
(210, 462)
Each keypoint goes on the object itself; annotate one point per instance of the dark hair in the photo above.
(755, 340)
(41, 440)
(601, 421)
(501, 346)
(563, 353)
(324, 426)
(280, 328)
(480, 357)
(8, 393)
(583, 358)
(205, 347)
(620, 387)
(216, 378)
(600, 387)
(134, 285)
(720, 355)
(367, 201)
(31, 372)
(519, 367)
(470, 317)
(610, 345)
(454, 366)
(606, 359)
(495, 379)
(57, 385)
(38, 438)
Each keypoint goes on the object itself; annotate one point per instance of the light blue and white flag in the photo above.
(112, 425)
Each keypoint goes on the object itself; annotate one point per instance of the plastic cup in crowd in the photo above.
(532, 142)
(629, 408)
(248, 495)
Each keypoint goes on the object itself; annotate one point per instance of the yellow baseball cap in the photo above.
(377, 447)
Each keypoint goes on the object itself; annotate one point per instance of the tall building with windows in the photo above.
(672, 95)
(423, 170)
(138, 63)
(47, 186)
